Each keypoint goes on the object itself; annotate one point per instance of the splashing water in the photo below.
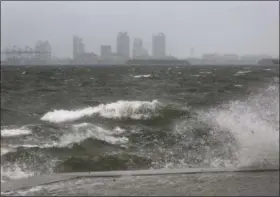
(14, 171)
(254, 124)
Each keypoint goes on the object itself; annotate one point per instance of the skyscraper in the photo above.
(123, 45)
(78, 46)
(137, 47)
(159, 46)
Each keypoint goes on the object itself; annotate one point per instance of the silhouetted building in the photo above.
(105, 51)
(43, 51)
(78, 46)
(159, 46)
(123, 45)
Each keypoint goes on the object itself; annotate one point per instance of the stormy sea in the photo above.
(102, 118)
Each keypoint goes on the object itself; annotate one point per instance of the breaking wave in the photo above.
(85, 131)
(118, 110)
(23, 160)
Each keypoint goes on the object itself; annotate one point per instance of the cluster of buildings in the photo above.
(122, 52)
(39, 54)
(42, 52)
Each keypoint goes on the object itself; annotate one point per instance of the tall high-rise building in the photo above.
(78, 46)
(105, 51)
(138, 49)
(123, 45)
(159, 46)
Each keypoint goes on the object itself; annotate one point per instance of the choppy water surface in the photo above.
(69, 119)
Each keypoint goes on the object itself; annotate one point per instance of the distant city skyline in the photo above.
(191, 28)
(41, 54)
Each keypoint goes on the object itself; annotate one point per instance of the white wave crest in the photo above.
(85, 131)
(15, 132)
(28, 146)
(117, 110)
(142, 76)
(80, 133)
(242, 72)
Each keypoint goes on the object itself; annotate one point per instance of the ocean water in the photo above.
(76, 118)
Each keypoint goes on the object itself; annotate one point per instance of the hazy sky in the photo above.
(222, 27)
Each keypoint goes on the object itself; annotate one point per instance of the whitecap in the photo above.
(117, 110)
(86, 131)
(142, 76)
(242, 72)
(15, 132)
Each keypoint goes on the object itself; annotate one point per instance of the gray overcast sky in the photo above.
(222, 27)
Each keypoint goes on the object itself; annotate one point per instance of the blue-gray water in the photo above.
(75, 118)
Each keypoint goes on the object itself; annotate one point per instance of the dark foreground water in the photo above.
(70, 119)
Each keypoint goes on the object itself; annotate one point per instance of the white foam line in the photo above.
(142, 76)
(15, 132)
(203, 72)
(86, 130)
(81, 132)
(242, 72)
